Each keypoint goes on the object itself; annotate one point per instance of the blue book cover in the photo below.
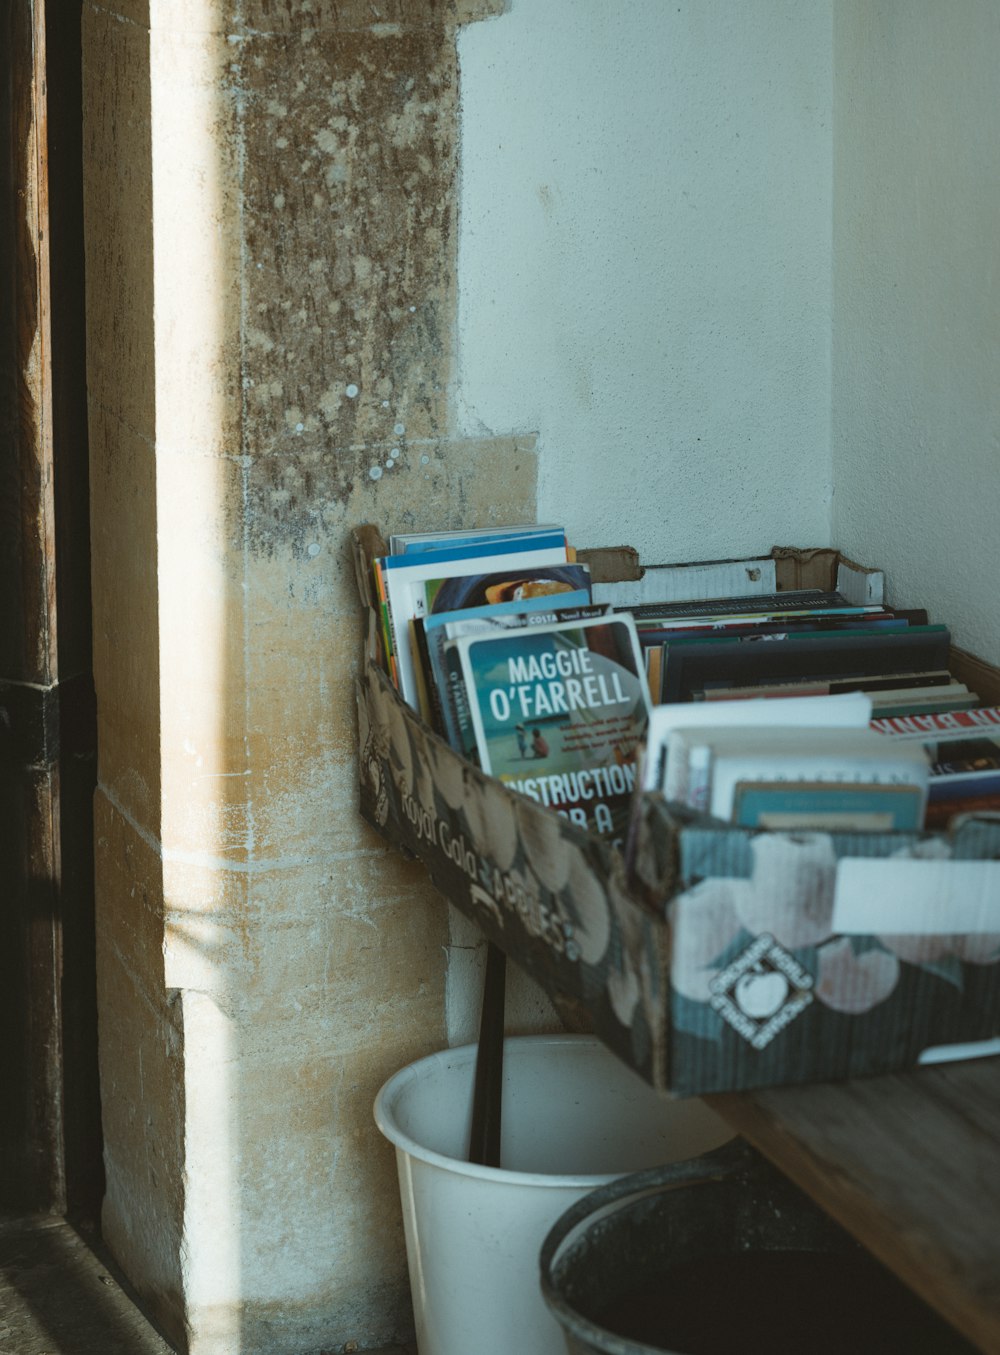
(476, 550)
(433, 634)
(543, 602)
(559, 713)
(417, 543)
(791, 805)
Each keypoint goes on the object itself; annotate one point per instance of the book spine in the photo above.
(432, 687)
(389, 648)
(962, 784)
(456, 698)
(699, 777)
(932, 726)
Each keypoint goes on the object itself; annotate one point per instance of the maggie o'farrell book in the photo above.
(559, 713)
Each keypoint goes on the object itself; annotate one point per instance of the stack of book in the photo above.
(789, 763)
(772, 712)
(794, 709)
(494, 638)
(964, 751)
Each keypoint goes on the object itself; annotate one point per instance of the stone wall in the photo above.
(271, 202)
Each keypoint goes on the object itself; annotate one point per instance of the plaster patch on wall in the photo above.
(297, 499)
(357, 290)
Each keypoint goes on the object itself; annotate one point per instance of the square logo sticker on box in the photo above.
(762, 991)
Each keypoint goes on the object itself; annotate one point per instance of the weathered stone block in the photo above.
(118, 190)
(125, 605)
(142, 1071)
(203, 638)
(197, 272)
(350, 153)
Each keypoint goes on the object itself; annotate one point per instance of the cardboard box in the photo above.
(721, 958)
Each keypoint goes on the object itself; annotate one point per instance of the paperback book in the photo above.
(963, 747)
(409, 586)
(691, 666)
(559, 713)
(935, 727)
(433, 634)
(413, 543)
(791, 806)
(722, 763)
(851, 710)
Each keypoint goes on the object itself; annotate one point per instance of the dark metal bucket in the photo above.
(722, 1255)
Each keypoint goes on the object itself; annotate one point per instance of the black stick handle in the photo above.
(487, 1094)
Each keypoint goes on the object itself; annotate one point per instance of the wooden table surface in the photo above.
(910, 1165)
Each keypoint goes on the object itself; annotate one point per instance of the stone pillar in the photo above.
(270, 200)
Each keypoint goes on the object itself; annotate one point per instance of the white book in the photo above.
(830, 756)
(845, 710)
(406, 597)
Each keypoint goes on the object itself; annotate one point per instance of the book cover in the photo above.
(937, 705)
(692, 665)
(658, 632)
(559, 713)
(856, 756)
(450, 552)
(409, 580)
(846, 711)
(960, 757)
(941, 812)
(959, 767)
(802, 601)
(434, 635)
(963, 747)
(412, 543)
(884, 688)
(506, 587)
(959, 724)
(784, 806)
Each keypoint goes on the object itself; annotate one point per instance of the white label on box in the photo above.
(909, 898)
(860, 586)
(949, 1053)
(691, 583)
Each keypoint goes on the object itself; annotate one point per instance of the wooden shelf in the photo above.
(910, 1165)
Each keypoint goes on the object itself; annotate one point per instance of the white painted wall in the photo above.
(724, 255)
(916, 373)
(644, 267)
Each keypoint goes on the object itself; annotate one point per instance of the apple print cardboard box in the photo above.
(707, 957)
(796, 957)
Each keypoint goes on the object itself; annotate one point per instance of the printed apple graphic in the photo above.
(760, 992)
(854, 983)
(704, 922)
(586, 901)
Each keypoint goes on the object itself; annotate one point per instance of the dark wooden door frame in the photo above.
(49, 1103)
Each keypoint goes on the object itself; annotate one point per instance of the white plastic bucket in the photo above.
(574, 1117)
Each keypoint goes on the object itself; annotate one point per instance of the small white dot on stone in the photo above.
(351, 391)
(425, 459)
(399, 429)
(413, 310)
(313, 549)
(376, 472)
(394, 451)
(385, 404)
(389, 464)
(299, 427)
